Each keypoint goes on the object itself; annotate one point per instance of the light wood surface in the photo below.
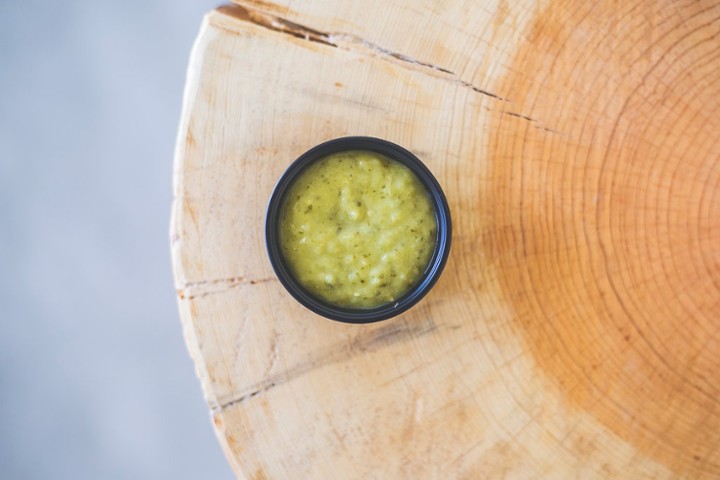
(575, 332)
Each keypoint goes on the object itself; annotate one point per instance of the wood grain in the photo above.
(574, 332)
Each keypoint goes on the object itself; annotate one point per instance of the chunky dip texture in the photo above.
(357, 229)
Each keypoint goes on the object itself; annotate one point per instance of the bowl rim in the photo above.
(430, 275)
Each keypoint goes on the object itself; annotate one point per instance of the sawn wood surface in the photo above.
(575, 332)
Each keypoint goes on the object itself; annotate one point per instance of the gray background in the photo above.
(95, 380)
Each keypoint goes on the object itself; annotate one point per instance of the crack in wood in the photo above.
(339, 38)
(193, 290)
(248, 396)
(531, 120)
(343, 41)
(480, 90)
(520, 115)
(275, 23)
(382, 337)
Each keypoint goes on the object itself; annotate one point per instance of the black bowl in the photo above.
(437, 260)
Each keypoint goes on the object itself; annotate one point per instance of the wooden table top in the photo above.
(575, 330)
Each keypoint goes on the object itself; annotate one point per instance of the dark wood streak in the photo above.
(394, 331)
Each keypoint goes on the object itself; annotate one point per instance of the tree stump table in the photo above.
(575, 332)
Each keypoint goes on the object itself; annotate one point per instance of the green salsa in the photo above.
(357, 229)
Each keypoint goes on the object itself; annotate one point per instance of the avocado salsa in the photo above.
(357, 229)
